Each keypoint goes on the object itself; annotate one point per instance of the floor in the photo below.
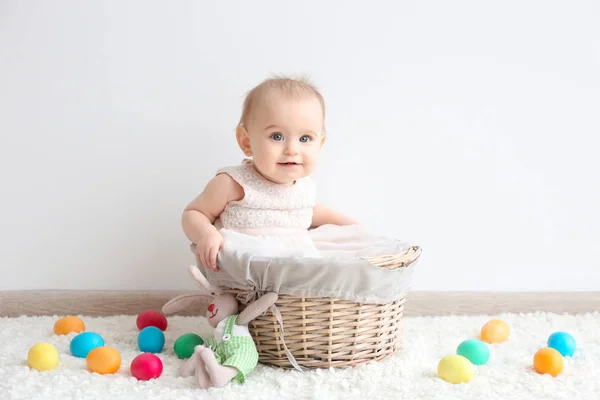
(104, 303)
(410, 374)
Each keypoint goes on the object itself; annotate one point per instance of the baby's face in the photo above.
(286, 136)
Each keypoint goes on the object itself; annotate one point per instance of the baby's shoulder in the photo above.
(226, 186)
(241, 173)
(233, 168)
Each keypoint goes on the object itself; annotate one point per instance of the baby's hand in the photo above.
(207, 250)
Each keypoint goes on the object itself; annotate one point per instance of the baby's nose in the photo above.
(211, 307)
(291, 149)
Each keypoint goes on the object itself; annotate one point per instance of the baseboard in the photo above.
(103, 303)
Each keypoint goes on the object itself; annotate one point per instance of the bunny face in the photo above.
(222, 305)
(220, 308)
(218, 305)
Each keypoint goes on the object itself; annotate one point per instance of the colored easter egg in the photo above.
(548, 361)
(151, 340)
(475, 351)
(495, 331)
(151, 318)
(68, 324)
(43, 357)
(455, 369)
(103, 360)
(563, 342)
(184, 345)
(146, 366)
(85, 342)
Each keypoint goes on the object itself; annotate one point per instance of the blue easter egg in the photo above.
(85, 342)
(151, 340)
(563, 342)
(474, 350)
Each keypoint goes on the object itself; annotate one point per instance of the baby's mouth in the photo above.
(214, 314)
(289, 164)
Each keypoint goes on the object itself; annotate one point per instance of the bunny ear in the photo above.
(204, 284)
(186, 301)
(256, 308)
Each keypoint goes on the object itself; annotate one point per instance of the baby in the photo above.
(268, 201)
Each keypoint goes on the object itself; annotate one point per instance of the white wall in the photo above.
(467, 127)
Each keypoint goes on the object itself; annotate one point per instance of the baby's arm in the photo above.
(199, 216)
(323, 215)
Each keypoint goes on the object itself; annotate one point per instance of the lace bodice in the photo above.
(267, 204)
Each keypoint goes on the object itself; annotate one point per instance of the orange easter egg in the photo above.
(103, 360)
(495, 331)
(68, 324)
(548, 361)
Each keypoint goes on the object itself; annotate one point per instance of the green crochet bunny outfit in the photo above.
(235, 351)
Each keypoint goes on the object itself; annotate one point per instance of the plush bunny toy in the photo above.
(231, 353)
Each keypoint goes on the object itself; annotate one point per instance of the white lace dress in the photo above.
(272, 219)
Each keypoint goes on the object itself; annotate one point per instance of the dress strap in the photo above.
(229, 324)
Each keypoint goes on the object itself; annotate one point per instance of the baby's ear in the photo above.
(243, 139)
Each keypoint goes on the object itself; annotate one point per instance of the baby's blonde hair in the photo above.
(289, 86)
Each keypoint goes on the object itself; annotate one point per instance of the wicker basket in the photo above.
(327, 332)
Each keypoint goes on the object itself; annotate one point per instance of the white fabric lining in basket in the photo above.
(343, 271)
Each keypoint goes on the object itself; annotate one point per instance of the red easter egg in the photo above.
(146, 366)
(151, 318)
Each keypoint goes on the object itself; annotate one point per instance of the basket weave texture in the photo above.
(325, 332)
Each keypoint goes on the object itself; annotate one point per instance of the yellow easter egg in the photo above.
(68, 324)
(455, 369)
(43, 357)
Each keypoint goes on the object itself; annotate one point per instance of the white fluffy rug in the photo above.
(411, 374)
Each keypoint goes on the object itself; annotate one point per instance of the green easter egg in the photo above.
(475, 351)
(184, 345)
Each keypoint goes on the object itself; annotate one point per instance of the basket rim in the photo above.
(399, 260)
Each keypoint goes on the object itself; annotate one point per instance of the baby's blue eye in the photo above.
(305, 139)
(277, 136)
